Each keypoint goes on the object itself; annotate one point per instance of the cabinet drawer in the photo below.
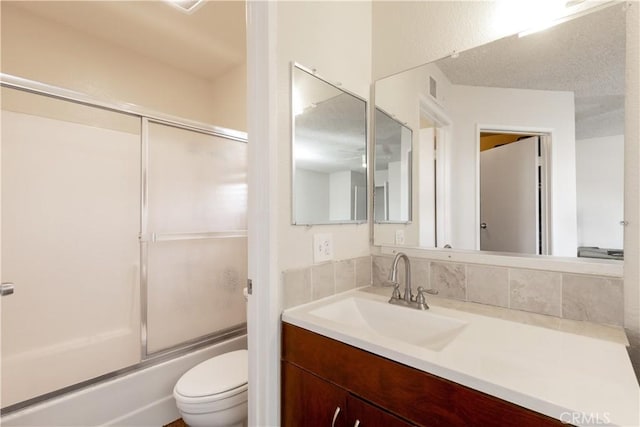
(422, 398)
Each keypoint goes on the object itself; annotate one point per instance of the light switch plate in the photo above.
(322, 247)
(399, 237)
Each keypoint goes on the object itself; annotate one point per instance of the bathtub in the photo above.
(141, 398)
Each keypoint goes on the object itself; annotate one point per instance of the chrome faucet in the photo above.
(393, 276)
(419, 301)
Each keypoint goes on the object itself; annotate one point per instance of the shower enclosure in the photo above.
(124, 234)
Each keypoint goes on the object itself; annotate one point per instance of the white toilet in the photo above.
(214, 392)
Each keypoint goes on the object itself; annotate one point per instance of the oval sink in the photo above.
(415, 327)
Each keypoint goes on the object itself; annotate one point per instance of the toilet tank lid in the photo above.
(216, 375)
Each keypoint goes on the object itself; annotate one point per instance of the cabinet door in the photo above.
(310, 401)
(362, 414)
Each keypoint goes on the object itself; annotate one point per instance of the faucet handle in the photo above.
(431, 291)
(420, 299)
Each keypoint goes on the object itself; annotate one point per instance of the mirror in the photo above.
(329, 152)
(392, 176)
(562, 90)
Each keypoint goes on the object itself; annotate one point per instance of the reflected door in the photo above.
(510, 197)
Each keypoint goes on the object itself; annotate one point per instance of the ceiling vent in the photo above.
(186, 6)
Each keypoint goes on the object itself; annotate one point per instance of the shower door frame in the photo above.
(146, 116)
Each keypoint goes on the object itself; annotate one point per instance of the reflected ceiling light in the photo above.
(364, 161)
(537, 28)
(555, 12)
(186, 6)
(532, 15)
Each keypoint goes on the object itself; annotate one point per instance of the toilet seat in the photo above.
(214, 385)
(236, 394)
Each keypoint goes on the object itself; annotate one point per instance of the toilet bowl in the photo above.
(214, 392)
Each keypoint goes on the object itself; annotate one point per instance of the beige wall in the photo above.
(334, 38)
(42, 50)
(229, 99)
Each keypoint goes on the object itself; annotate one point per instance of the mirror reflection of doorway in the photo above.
(513, 192)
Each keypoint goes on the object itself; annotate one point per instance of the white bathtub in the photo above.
(142, 398)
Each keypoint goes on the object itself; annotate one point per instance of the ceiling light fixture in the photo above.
(186, 6)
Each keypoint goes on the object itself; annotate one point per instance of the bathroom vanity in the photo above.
(354, 360)
(315, 386)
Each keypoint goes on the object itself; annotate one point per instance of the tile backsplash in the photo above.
(304, 285)
(592, 298)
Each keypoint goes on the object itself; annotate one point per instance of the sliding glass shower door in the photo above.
(195, 233)
(125, 237)
(70, 221)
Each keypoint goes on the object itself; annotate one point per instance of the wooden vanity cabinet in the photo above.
(309, 401)
(320, 374)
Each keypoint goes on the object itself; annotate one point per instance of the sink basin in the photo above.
(415, 327)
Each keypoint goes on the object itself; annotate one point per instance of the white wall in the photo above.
(312, 196)
(600, 186)
(519, 109)
(335, 39)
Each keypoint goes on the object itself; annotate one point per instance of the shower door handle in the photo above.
(7, 288)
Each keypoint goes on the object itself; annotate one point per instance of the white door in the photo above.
(509, 198)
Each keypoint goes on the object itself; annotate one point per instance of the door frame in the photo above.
(264, 301)
(546, 138)
(443, 130)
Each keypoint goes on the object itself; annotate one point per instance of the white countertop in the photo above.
(574, 378)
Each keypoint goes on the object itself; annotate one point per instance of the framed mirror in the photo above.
(557, 95)
(329, 152)
(392, 172)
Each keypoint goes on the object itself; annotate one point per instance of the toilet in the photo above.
(214, 392)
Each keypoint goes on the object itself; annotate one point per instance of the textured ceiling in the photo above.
(331, 136)
(205, 43)
(585, 55)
